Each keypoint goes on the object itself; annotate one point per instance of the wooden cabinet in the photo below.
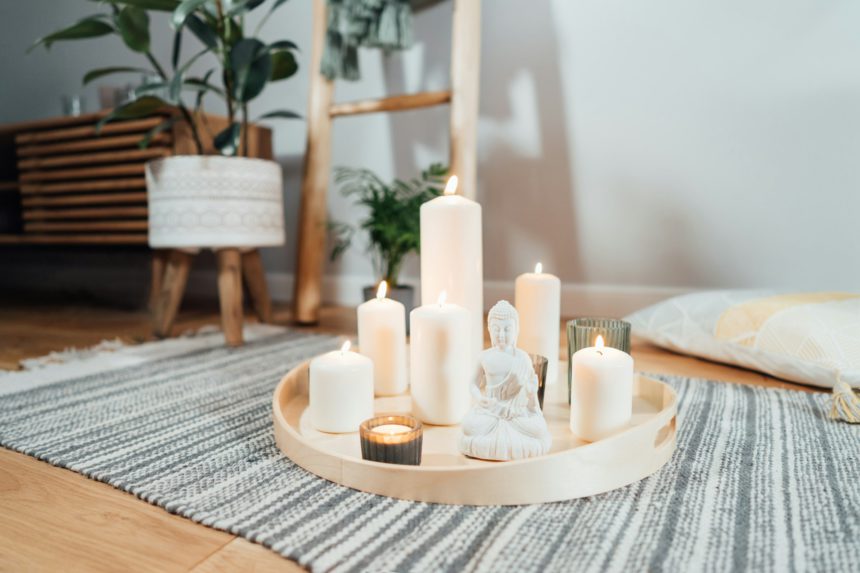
(61, 183)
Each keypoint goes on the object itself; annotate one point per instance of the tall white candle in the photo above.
(341, 391)
(538, 301)
(601, 392)
(451, 257)
(440, 362)
(382, 338)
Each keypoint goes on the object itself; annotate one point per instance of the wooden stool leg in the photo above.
(230, 294)
(255, 280)
(159, 262)
(170, 294)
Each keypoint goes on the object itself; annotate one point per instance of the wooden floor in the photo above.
(55, 519)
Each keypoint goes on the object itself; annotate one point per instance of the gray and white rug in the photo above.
(761, 479)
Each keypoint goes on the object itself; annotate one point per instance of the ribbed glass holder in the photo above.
(583, 332)
(382, 443)
(540, 363)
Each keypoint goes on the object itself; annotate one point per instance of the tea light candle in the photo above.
(341, 390)
(538, 302)
(440, 364)
(382, 338)
(602, 391)
(451, 257)
(393, 439)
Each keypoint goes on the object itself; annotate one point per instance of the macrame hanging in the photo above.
(385, 24)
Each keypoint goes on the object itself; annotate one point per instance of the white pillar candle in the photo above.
(440, 362)
(382, 338)
(341, 391)
(602, 391)
(538, 301)
(451, 257)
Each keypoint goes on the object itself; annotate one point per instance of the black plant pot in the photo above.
(403, 294)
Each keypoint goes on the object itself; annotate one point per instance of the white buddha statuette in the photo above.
(505, 421)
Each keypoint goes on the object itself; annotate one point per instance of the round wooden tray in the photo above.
(572, 469)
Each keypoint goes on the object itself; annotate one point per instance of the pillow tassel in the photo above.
(845, 403)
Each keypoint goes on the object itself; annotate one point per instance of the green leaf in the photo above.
(158, 5)
(203, 85)
(177, 48)
(280, 114)
(185, 9)
(100, 72)
(284, 65)
(91, 27)
(133, 24)
(150, 88)
(277, 5)
(141, 107)
(163, 126)
(251, 66)
(227, 142)
(241, 6)
(283, 45)
(207, 36)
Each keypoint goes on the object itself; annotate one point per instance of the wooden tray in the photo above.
(571, 470)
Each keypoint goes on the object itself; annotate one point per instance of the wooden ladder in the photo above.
(462, 97)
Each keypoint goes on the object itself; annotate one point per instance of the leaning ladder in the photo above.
(462, 97)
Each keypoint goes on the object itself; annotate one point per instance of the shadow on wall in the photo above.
(523, 158)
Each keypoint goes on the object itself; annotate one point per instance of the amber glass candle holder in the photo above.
(392, 439)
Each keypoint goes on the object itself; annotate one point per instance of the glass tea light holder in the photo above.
(583, 332)
(540, 364)
(392, 439)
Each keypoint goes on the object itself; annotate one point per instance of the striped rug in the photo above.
(761, 479)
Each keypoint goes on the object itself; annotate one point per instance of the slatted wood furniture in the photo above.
(462, 97)
(79, 187)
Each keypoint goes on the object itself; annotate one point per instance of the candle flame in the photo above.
(345, 348)
(538, 268)
(599, 342)
(382, 290)
(443, 296)
(451, 186)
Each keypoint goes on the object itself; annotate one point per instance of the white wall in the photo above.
(632, 147)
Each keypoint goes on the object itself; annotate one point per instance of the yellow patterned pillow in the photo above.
(811, 338)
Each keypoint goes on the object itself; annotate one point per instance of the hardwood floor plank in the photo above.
(242, 556)
(57, 520)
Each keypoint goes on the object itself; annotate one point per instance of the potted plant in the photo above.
(218, 197)
(393, 223)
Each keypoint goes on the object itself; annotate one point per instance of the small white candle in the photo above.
(440, 362)
(451, 257)
(341, 390)
(382, 338)
(538, 302)
(391, 429)
(601, 392)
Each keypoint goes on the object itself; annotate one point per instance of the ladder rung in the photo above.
(393, 103)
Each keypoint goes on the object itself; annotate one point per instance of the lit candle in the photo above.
(440, 362)
(341, 390)
(382, 338)
(392, 438)
(538, 302)
(451, 257)
(602, 391)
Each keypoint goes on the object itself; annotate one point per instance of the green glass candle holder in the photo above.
(583, 332)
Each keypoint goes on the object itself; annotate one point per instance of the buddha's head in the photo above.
(503, 323)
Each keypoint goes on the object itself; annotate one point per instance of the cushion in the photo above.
(810, 338)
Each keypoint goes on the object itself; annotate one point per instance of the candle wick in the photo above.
(600, 352)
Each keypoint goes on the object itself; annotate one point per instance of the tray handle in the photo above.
(665, 433)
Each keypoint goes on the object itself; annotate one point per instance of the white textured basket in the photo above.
(202, 201)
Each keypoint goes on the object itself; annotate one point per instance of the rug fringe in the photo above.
(845, 403)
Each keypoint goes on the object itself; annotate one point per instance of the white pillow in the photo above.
(810, 338)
